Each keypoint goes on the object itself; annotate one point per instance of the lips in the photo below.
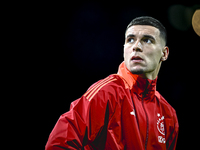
(136, 59)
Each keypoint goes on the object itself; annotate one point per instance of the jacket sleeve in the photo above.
(85, 124)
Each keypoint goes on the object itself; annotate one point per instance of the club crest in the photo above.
(160, 124)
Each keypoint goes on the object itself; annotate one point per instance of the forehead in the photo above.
(139, 30)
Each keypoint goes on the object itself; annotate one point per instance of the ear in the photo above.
(165, 53)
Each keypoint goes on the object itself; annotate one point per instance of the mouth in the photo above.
(136, 59)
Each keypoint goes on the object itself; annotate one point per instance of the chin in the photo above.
(137, 71)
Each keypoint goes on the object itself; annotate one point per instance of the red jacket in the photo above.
(122, 111)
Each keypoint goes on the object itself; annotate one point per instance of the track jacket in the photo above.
(120, 112)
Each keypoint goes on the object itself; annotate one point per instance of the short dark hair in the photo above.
(146, 20)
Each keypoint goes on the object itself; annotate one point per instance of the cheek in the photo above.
(154, 58)
(127, 52)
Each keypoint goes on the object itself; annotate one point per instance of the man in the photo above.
(124, 110)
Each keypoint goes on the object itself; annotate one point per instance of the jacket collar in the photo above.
(145, 88)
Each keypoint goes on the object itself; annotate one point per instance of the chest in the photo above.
(144, 122)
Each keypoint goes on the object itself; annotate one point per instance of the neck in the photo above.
(131, 79)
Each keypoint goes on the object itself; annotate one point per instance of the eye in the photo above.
(130, 40)
(148, 41)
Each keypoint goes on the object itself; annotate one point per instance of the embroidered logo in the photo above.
(161, 139)
(133, 112)
(161, 128)
(160, 124)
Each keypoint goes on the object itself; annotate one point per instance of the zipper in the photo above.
(147, 134)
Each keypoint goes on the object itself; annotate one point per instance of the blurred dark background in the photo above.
(76, 44)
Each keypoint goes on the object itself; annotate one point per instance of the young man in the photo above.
(124, 110)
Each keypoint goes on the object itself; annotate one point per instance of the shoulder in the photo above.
(109, 85)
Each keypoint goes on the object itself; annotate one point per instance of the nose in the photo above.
(137, 47)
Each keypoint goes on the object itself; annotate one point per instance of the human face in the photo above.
(144, 50)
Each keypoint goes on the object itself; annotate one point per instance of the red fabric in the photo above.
(122, 111)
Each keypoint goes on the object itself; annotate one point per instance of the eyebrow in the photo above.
(150, 37)
(146, 36)
(130, 35)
